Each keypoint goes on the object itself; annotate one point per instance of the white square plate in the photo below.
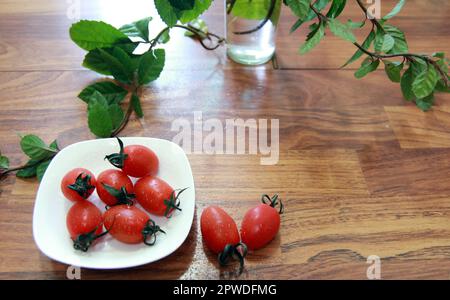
(50, 209)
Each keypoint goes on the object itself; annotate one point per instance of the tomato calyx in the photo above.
(117, 159)
(121, 195)
(173, 203)
(273, 202)
(84, 241)
(82, 185)
(237, 251)
(149, 232)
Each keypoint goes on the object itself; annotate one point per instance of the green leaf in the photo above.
(365, 45)
(441, 87)
(425, 82)
(199, 7)
(300, 8)
(4, 162)
(28, 171)
(54, 145)
(111, 91)
(99, 119)
(164, 38)
(355, 25)
(426, 103)
(314, 40)
(152, 63)
(406, 84)
(341, 30)
(119, 64)
(384, 42)
(319, 5)
(366, 68)
(395, 10)
(41, 168)
(182, 4)
(90, 35)
(116, 114)
(95, 62)
(393, 70)
(136, 103)
(198, 24)
(400, 45)
(168, 14)
(35, 148)
(137, 29)
(336, 8)
(251, 10)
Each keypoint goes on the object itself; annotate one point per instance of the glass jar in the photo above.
(250, 30)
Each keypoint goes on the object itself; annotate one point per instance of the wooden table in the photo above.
(361, 171)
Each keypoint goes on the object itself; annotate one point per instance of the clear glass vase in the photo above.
(250, 29)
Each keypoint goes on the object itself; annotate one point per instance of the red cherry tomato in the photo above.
(130, 225)
(114, 187)
(84, 222)
(157, 196)
(218, 229)
(261, 223)
(78, 184)
(140, 161)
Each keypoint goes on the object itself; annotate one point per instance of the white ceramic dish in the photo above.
(50, 209)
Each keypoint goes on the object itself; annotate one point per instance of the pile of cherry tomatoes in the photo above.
(125, 222)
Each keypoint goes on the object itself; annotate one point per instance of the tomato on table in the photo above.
(135, 160)
(85, 224)
(78, 184)
(261, 223)
(130, 225)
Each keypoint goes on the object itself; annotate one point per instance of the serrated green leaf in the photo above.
(397, 8)
(365, 45)
(167, 13)
(341, 30)
(41, 168)
(384, 42)
(35, 148)
(54, 145)
(151, 66)
(313, 41)
(300, 8)
(441, 87)
(393, 70)
(29, 171)
(199, 7)
(318, 5)
(137, 29)
(366, 68)
(400, 45)
(182, 4)
(426, 103)
(99, 119)
(4, 162)
(95, 62)
(112, 92)
(136, 103)
(165, 37)
(336, 8)
(116, 114)
(119, 64)
(406, 83)
(90, 35)
(425, 82)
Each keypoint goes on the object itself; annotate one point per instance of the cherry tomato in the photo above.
(84, 222)
(157, 196)
(135, 160)
(218, 229)
(78, 184)
(130, 225)
(261, 223)
(140, 161)
(114, 187)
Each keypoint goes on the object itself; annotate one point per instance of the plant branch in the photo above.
(3, 173)
(128, 113)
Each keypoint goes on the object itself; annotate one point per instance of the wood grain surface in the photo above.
(361, 171)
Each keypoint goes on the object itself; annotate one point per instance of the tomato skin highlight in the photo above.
(126, 223)
(151, 191)
(82, 218)
(116, 179)
(260, 226)
(218, 229)
(70, 178)
(140, 162)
